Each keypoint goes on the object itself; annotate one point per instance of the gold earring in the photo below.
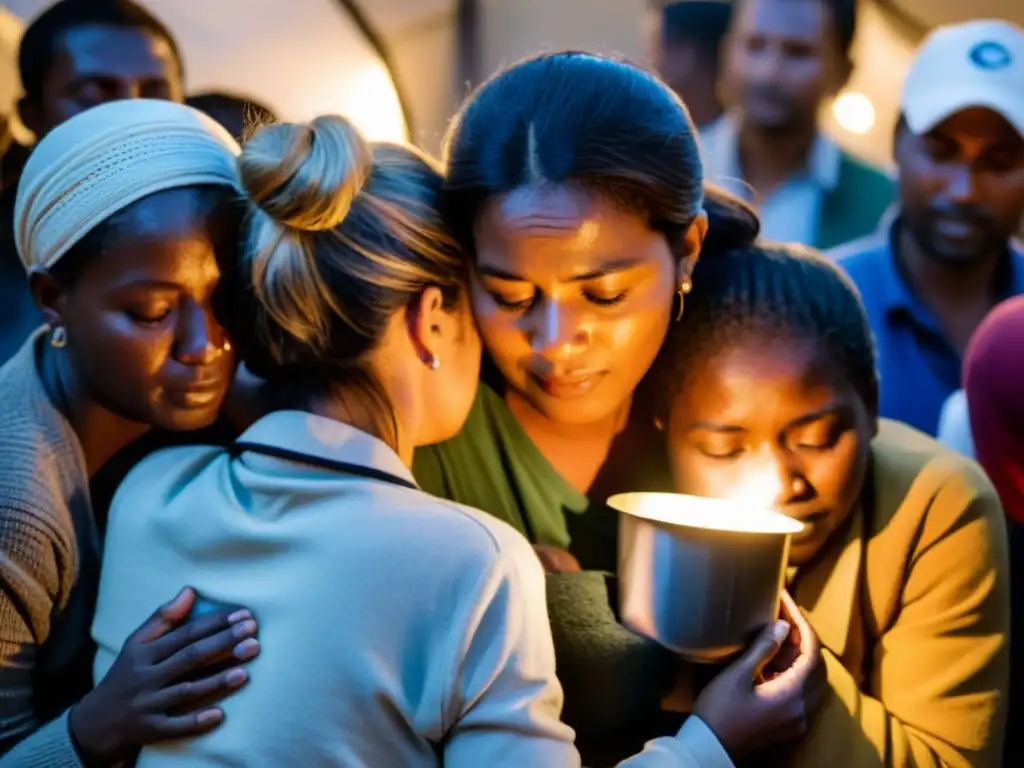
(59, 337)
(685, 286)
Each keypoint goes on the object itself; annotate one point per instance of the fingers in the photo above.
(803, 634)
(182, 726)
(763, 649)
(556, 560)
(197, 629)
(237, 640)
(167, 616)
(198, 694)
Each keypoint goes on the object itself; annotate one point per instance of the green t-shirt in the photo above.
(493, 465)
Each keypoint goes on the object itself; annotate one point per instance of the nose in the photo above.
(780, 475)
(961, 186)
(556, 329)
(200, 339)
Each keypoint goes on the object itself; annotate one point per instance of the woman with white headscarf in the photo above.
(120, 216)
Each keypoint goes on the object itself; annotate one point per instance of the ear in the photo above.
(31, 116)
(431, 328)
(693, 241)
(49, 296)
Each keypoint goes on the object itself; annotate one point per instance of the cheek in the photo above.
(697, 475)
(123, 352)
(839, 478)
(497, 328)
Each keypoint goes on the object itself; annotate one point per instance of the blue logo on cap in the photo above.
(991, 55)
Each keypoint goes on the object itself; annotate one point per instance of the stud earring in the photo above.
(59, 337)
(435, 363)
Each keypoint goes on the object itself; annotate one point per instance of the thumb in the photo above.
(763, 649)
(167, 616)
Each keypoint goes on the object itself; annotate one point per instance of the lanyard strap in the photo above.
(341, 467)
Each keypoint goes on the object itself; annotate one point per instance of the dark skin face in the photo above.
(775, 417)
(962, 186)
(573, 298)
(97, 64)
(782, 61)
(142, 339)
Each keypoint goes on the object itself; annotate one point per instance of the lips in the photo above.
(196, 394)
(571, 386)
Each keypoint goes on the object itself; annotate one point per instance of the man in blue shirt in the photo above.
(946, 257)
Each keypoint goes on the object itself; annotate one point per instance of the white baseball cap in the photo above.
(979, 63)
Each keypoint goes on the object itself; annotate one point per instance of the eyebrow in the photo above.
(607, 268)
(810, 418)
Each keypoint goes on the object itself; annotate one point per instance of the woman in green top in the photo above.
(575, 184)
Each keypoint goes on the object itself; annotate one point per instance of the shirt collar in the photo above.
(316, 436)
(896, 293)
(720, 149)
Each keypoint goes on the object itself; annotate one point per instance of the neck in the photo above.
(948, 285)
(100, 432)
(357, 409)
(768, 158)
(576, 451)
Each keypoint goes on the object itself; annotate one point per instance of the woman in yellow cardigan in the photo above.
(902, 566)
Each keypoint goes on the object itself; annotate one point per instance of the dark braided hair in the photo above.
(766, 291)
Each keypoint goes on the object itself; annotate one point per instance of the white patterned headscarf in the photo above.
(106, 158)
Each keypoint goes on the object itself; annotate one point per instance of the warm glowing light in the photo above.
(733, 514)
(854, 113)
(371, 103)
(759, 487)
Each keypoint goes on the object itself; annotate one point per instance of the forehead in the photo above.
(98, 50)
(525, 226)
(171, 237)
(979, 125)
(799, 19)
(765, 374)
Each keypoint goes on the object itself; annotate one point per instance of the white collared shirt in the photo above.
(390, 621)
(792, 213)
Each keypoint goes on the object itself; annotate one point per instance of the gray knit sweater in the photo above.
(49, 568)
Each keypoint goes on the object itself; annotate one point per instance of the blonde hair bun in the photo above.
(305, 176)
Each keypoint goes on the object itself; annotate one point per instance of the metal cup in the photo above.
(699, 576)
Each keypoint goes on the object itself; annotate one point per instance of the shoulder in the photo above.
(483, 539)
(867, 175)
(864, 256)
(158, 477)
(917, 477)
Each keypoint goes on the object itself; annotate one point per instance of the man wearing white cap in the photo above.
(946, 257)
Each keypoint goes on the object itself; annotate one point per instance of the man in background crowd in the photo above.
(783, 61)
(685, 47)
(947, 257)
(240, 115)
(73, 56)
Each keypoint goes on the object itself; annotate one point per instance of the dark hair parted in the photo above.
(340, 235)
(766, 292)
(43, 37)
(602, 124)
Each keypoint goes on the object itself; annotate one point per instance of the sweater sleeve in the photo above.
(37, 567)
(942, 669)
(695, 746)
(505, 700)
